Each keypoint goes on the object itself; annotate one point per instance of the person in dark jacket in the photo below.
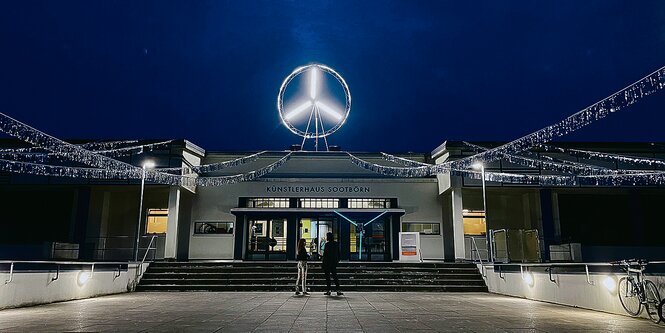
(302, 267)
(330, 260)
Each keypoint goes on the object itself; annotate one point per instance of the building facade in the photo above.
(315, 193)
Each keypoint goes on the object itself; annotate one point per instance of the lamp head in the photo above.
(477, 165)
(148, 164)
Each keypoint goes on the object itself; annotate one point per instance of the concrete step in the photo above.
(280, 276)
(313, 267)
(313, 288)
(292, 281)
(310, 274)
(292, 263)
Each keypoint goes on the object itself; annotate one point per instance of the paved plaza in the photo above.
(283, 312)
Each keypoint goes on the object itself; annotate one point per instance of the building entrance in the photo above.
(374, 242)
(314, 230)
(275, 235)
(267, 239)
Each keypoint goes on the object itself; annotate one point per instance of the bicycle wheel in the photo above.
(652, 300)
(661, 310)
(629, 295)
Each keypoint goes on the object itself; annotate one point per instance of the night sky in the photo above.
(420, 72)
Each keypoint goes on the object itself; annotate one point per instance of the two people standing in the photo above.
(330, 261)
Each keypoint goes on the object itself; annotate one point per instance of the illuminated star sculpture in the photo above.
(321, 112)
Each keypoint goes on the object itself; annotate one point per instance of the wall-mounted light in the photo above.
(83, 278)
(527, 276)
(610, 284)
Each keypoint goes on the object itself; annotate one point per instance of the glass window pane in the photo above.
(213, 228)
(157, 221)
(422, 228)
(474, 223)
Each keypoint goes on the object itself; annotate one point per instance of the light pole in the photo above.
(479, 165)
(146, 165)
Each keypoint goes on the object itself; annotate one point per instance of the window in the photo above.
(422, 228)
(369, 203)
(474, 222)
(268, 203)
(224, 228)
(319, 203)
(157, 221)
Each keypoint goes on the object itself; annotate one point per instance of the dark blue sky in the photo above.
(420, 72)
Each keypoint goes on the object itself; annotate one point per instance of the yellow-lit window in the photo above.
(474, 222)
(157, 221)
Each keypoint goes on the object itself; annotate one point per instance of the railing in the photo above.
(118, 267)
(549, 267)
(480, 258)
(123, 247)
(569, 252)
(139, 270)
(515, 245)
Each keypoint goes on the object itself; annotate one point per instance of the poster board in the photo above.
(409, 246)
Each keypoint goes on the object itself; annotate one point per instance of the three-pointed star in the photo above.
(313, 104)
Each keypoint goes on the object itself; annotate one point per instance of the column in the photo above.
(458, 223)
(171, 242)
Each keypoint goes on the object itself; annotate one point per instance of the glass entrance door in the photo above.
(374, 242)
(314, 231)
(267, 239)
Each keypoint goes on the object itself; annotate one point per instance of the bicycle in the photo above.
(635, 291)
(661, 310)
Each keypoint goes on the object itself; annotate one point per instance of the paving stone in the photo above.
(282, 312)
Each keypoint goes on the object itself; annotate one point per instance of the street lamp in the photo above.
(146, 165)
(481, 167)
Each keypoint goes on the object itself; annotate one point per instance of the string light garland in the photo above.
(221, 165)
(244, 177)
(599, 110)
(586, 154)
(75, 153)
(552, 164)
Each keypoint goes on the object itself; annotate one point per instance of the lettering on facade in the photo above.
(317, 189)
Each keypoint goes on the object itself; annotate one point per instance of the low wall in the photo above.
(570, 288)
(37, 287)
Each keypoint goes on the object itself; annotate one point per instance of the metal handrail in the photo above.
(549, 266)
(147, 250)
(120, 246)
(64, 262)
(658, 262)
(139, 270)
(92, 264)
(480, 258)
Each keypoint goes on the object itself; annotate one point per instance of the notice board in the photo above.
(409, 246)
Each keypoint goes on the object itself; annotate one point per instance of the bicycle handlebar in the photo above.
(630, 262)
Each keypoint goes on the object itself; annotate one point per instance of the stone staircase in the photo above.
(281, 276)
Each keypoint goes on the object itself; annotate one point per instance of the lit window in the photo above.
(474, 222)
(268, 203)
(369, 203)
(319, 203)
(422, 228)
(213, 228)
(157, 221)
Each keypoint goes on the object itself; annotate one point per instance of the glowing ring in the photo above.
(280, 101)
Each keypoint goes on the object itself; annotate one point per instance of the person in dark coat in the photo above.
(330, 260)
